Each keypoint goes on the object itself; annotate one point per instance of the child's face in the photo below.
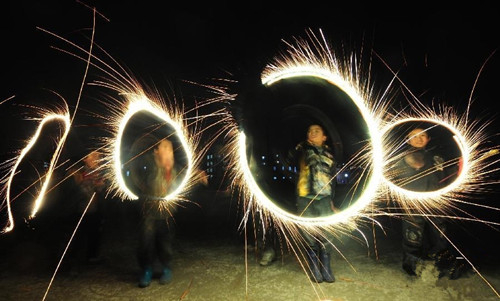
(315, 135)
(165, 154)
(418, 138)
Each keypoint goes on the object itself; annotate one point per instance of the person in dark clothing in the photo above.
(88, 189)
(154, 176)
(421, 170)
(315, 191)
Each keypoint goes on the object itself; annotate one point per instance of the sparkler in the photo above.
(314, 58)
(309, 59)
(463, 144)
(476, 160)
(135, 101)
(306, 61)
(139, 103)
(63, 117)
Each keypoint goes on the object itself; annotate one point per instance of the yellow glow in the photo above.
(301, 62)
(140, 103)
(65, 118)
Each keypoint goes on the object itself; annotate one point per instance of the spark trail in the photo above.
(313, 57)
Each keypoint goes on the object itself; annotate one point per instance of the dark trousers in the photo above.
(267, 236)
(421, 238)
(86, 243)
(314, 208)
(93, 233)
(155, 241)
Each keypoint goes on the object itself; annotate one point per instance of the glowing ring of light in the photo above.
(39, 200)
(140, 103)
(371, 188)
(464, 150)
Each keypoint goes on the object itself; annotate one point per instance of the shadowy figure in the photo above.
(87, 189)
(421, 170)
(155, 175)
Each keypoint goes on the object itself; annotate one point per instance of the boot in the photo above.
(443, 261)
(312, 259)
(166, 276)
(410, 264)
(268, 257)
(458, 269)
(146, 277)
(325, 268)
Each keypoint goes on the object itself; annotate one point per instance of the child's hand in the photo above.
(334, 209)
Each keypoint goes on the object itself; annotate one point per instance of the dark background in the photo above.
(438, 52)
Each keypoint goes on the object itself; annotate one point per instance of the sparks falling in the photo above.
(138, 103)
(314, 58)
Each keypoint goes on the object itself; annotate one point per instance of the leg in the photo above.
(74, 255)
(314, 265)
(413, 231)
(306, 208)
(145, 251)
(445, 259)
(438, 242)
(326, 271)
(164, 236)
(324, 209)
(267, 244)
(94, 233)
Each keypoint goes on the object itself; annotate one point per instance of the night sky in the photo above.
(438, 51)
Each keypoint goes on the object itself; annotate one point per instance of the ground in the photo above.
(216, 264)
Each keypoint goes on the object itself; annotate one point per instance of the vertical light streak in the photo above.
(39, 199)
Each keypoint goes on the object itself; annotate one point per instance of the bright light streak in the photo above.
(140, 103)
(476, 160)
(302, 62)
(134, 98)
(50, 117)
(313, 58)
(465, 150)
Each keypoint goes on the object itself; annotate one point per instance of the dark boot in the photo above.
(325, 268)
(146, 277)
(443, 261)
(458, 269)
(312, 260)
(410, 264)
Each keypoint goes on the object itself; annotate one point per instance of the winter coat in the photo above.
(317, 169)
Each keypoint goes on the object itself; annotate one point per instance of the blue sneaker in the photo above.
(146, 278)
(166, 276)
